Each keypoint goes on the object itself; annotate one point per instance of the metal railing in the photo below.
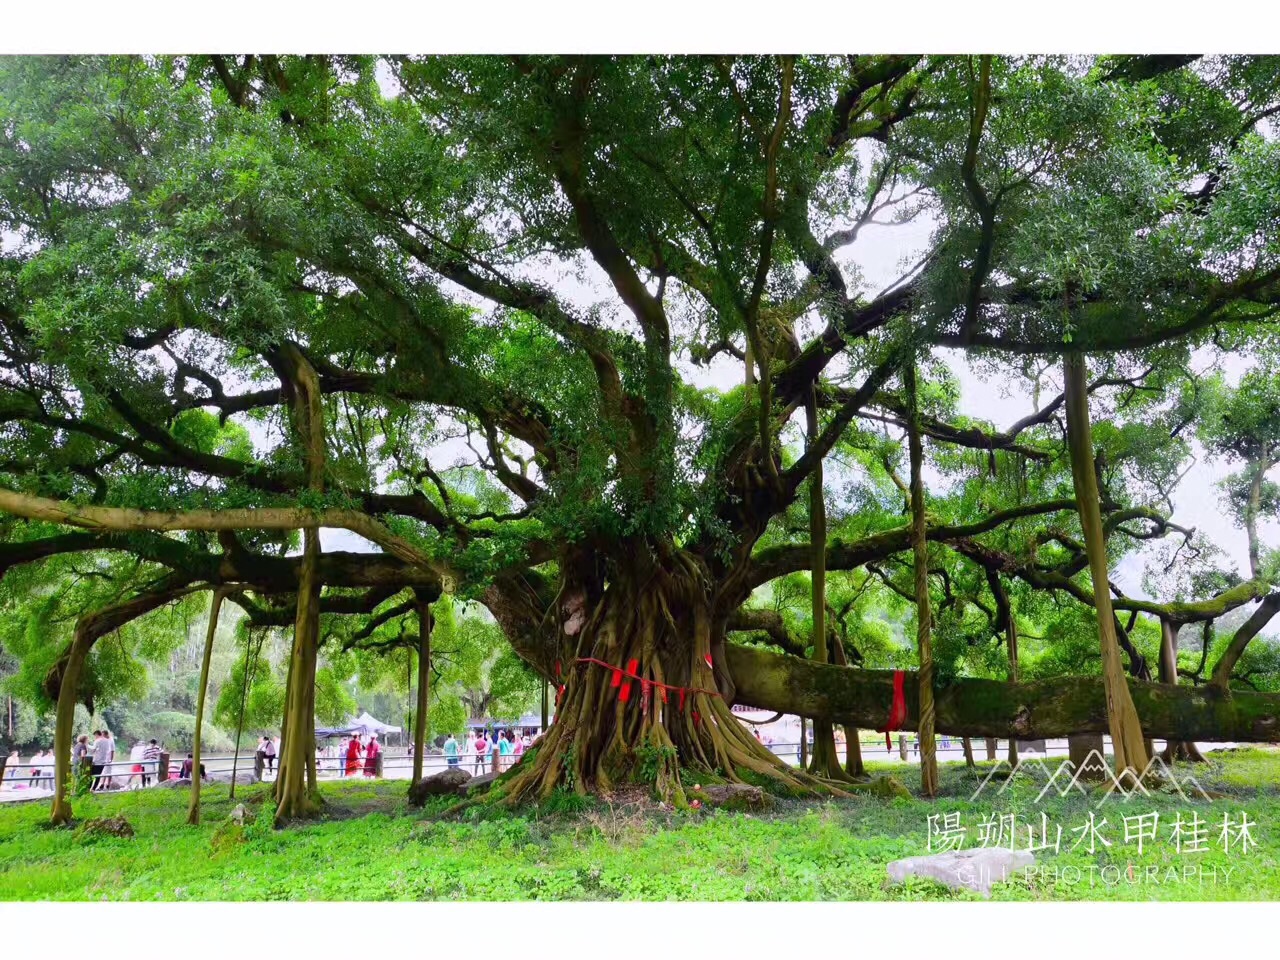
(122, 774)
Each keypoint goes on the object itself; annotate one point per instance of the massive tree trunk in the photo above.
(424, 690)
(640, 698)
(924, 615)
(1174, 749)
(825, 762)
(1125, 727)
(193, 810)
(993, 708)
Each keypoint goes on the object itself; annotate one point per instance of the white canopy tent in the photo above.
(367, 725)
(363, 725)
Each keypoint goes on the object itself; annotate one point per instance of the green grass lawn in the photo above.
(372, 846)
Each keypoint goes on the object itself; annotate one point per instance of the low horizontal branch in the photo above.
(989, 708)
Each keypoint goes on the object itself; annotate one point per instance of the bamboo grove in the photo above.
(603, 346)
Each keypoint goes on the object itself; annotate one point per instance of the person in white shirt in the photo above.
(37, 762)
(136, 768)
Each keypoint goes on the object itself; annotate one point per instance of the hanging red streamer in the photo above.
(898, 709)
(625, 693)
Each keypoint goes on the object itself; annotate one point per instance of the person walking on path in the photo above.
(111, 758)
(371, 756)
(482, 752)
(495, 753)
(451, 751)
(37, 769)
(137, 769)
(269, 753)
(504, 749)
(79, 755)
(353, 757)
(151, 763)
(98, 761)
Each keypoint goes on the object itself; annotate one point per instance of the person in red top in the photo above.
(371, 756)
(353, 756)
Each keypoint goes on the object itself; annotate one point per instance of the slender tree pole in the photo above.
(298, 794)
(826, 762)
(215, 606)
(250, 670)
(424, 674)
(924, 615)
(1122, 716)
(853, 747)
(1009, 624)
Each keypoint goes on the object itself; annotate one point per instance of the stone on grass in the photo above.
(887, 788)
(733, 796)
(105, 827)
(439, 784)
(976, 869)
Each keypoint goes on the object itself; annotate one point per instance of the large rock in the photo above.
(733, 796)
(976, 869)
(450, 780)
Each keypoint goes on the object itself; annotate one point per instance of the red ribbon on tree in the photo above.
(898, 709)
(646, 686)
(625, 693)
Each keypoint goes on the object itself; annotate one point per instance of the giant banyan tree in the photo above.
(598, 343)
